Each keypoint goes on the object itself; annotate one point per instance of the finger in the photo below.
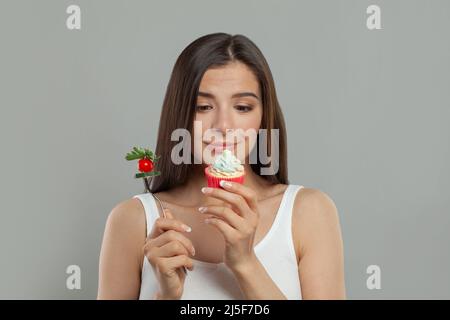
(162, 225)
(236, 200)
(172, 235)
(231, 217)
(171, 249)
(180, 261)
(229, 233)
(169, 215)
(247, 193)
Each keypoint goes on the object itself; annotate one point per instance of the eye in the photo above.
(202, 108)
(244, 108)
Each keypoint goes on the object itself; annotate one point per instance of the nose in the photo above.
(223, 122)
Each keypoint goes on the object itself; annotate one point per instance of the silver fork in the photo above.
(164, 215)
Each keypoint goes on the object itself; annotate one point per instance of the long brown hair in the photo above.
(178, 111)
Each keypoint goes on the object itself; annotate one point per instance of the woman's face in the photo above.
(229, 100)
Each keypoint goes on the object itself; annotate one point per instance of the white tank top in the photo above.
(214, 280)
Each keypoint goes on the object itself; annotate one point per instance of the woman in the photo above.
(263, 239)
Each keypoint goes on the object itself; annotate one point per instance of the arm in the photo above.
(317, 229)
(256, 283)
(121, 252)
(321, 269)
(315, 226)
(238, 226)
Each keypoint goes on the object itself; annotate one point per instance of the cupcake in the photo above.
(224, 167)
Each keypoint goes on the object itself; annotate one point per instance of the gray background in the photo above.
(367, 115)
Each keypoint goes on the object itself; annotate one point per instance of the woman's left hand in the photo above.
(237, 224)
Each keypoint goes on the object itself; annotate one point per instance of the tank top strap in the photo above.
(290, 199)
(283, 220)
(151, 210)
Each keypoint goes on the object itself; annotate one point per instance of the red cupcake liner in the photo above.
(213, 181)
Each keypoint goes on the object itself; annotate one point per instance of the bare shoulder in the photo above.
(314, 203)
(125, 231)
(315, 217)
(319, 246)
(120, 255)
(128, 217)
(125, 228)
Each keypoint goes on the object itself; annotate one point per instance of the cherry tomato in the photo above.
(145, 165)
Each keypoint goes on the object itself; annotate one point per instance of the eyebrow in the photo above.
(236, 95)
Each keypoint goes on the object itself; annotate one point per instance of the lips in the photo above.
(220, 145)
(223, 145)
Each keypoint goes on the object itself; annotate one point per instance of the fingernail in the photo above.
(224, 183)
(193, 251)
(202, 209)
(186, 228)
(206, 189)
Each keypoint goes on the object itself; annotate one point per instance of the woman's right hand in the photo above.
(168, 251)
